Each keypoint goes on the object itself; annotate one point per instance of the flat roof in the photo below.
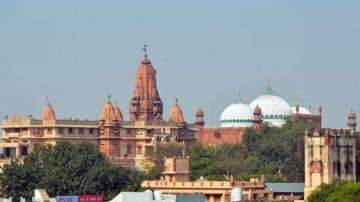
(292, 187)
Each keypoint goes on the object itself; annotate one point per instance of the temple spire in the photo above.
(145, 103)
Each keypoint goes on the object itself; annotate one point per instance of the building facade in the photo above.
(125, 142)
(175, 180)
(330, 154)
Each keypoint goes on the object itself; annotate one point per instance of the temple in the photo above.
(124, 142)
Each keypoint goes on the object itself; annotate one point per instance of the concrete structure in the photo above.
(123, 142)
(215, 191)
(330, 154)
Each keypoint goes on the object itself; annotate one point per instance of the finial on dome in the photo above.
(176, 100)
(269, 90)
(109, 97)
(238, 96)
(145, 50)
(47, 100)
(297, 100)
(145, 61)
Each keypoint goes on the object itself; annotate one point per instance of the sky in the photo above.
(77, 52)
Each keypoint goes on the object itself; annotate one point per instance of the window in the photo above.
(36, 131)
(61, 130)
(128, 148)
(91, 131)
(81, 131)
(24, 151)
(49, 131)
(139, 150)
(71, 131)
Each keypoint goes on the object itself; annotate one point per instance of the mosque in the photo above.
(268, 108)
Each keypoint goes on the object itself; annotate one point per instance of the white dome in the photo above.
(302, 110)
(237, 115)
(275, 110)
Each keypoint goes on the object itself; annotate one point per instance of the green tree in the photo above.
(335, 192)
(67, 169)
(157, 159)
(202, 159)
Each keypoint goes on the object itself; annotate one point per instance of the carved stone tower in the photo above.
(145, 104)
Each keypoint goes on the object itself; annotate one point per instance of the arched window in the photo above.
(348, 168)
(128, 148)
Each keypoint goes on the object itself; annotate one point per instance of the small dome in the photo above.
(108, 113)
(257, 110)
(199, 112)
(275, 110)
(48, 113)
(237, 115)
(352, 114)
(302, 110)
(176, 114)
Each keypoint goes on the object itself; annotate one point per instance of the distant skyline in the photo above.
(77, 52)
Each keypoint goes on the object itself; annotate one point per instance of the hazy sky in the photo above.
(77, 52)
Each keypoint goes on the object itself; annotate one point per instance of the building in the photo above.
(125, 142)
(268, 109)
(330, 154)
(286, 191)
(175, 180)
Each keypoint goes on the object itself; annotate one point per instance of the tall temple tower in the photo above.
(145, 104)
(109, 125)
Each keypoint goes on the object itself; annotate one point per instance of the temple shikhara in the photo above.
(125, 142)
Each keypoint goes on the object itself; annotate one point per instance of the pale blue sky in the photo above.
(76, 52)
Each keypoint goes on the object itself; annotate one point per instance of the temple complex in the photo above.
(125, 142)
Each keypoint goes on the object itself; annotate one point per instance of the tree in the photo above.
(157, 159)
(67, 169)
(337, 191)
(202, 158)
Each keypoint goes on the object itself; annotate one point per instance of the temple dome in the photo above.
(176, 114)
(108, 113)
(237, 115)
(302, 110)
(275, 110)
(48, 113)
